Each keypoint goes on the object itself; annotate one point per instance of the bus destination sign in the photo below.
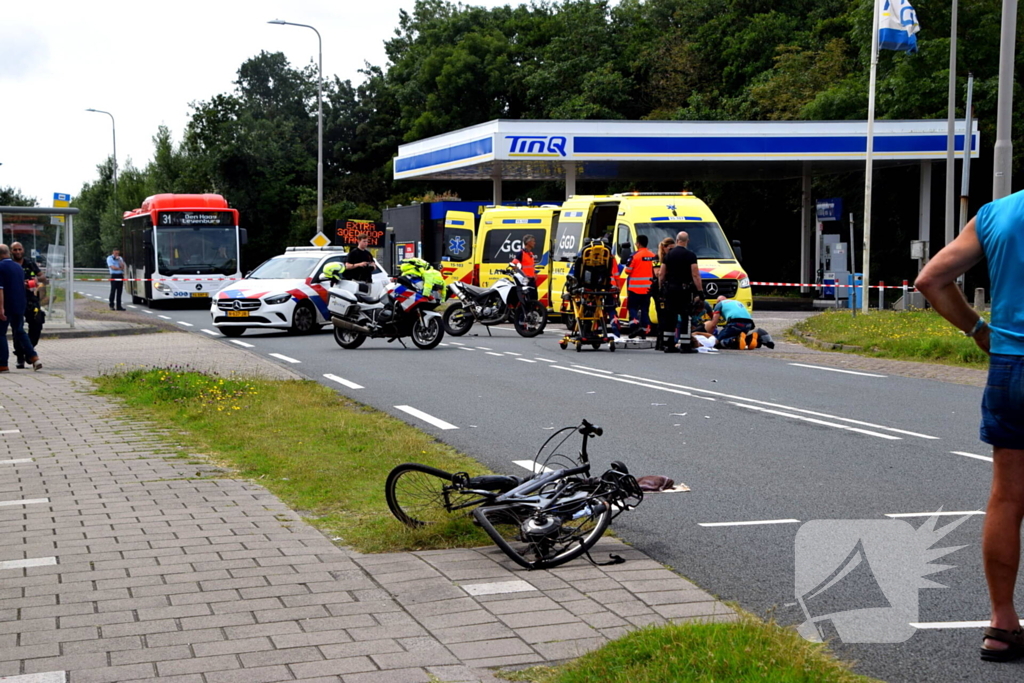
(196, 218)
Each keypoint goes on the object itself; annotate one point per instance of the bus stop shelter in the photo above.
(568, 151)
(52, 228)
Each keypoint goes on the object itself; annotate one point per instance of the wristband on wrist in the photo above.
(978, 327)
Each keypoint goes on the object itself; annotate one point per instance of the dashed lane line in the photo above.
(341, 380)
(584, 367)
(848, 372)
(972, 455)
(242, 344)
(804, 418)
(286, 359)
(164, 317)
(210, 332)
(182, 322)
(492, 353)
(751, 523)
(466, 348)
(526, 360)
(952, 624)
(148, 312)
(512, 353)
(547, 360)
(426, 417)
(484, 348)
(961, 513)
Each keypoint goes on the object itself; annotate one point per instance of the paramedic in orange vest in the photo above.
(525, 260)
(640, 274)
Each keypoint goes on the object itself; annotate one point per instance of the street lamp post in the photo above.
(113, 129)
(320, 125)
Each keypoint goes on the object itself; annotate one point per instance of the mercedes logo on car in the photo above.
(199, 288)
(711, 288)
(237, 305)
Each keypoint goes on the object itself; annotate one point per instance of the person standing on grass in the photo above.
(995, 234)
(12, 310)
(115, 264)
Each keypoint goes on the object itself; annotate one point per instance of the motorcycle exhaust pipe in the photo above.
(345, 324)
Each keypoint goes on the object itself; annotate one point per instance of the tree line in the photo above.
(450, 66)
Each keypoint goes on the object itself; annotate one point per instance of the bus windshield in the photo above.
(197, 250)
(706, 238)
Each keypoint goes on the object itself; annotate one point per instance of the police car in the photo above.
(288, 292)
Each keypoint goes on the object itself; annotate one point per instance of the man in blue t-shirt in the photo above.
(995, 234)
(739, 326)
(12, 310)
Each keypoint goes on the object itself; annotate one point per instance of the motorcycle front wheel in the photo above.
(456, 319)
(348, 339)
(427, 332)
(530, 319)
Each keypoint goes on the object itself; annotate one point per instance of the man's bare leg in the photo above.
(1000, 545)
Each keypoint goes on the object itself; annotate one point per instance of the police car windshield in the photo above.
(286, 268)
(706, 239)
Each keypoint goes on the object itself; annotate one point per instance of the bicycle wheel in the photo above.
(541, 540)
(415, 494)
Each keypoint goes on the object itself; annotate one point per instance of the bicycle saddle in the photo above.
(495, 482)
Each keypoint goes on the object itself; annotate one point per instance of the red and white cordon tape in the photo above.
(157, 279)
(818, 285)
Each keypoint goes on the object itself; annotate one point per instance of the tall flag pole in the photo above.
(893, 25)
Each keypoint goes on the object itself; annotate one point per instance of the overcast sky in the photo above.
(144, 63)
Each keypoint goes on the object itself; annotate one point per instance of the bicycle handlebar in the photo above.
(587, 429)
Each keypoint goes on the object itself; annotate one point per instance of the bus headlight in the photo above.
(277, 299)
(161, 287)
(744, 282)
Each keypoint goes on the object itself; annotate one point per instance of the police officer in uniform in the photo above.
(34, 316)
(680, 281)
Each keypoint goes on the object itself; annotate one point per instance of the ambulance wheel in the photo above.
(348, 339)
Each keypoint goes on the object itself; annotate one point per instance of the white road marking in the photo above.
(182, 322)
(23, 501)
(584, 367)
(952, 624)
(430, 419)
(526, 360)
(848, 372)
(443, 344)
(532, 466)
(131, 306)
(759, 521)
(342, 380)
(547, 360)
(148, 312)
(285, 358)
(16, 461)
(518, 586)
(972, 455)
(817, 422)
(513, 353)
(24, 564)
(492, 353)
(210, 332)
(896, 515)
(241, 343)
(484, 348)
(467, 348)
(45, 677)
(785, 407)
(10, 431)
(456, 343)
(165, 317)
(628, 381)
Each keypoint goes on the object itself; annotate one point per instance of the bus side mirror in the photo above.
(737, 249)
(243, 236)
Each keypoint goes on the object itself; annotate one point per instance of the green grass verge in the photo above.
(322, 454)
(903, 335)
(747, 650)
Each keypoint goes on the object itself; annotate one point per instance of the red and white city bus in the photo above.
(180, 246)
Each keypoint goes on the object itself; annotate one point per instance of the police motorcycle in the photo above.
(404, 309)
(513, 296)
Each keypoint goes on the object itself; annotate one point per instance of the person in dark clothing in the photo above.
(12, 309)
(359, 264)
(117, 268)
(34, 316)
(679, 279)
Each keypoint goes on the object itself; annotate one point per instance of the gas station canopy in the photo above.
(661, 150)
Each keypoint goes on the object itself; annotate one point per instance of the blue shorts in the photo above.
(1002, 408)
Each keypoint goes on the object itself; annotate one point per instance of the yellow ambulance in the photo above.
(620, 218)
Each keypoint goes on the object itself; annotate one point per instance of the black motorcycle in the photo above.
(514, 296)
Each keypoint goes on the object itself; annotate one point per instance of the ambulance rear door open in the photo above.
(578, 223)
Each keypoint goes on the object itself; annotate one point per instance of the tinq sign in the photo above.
(537, 145)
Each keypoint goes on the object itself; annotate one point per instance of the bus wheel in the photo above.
(137, 300)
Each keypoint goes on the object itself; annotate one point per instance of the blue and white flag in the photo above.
(897, 25)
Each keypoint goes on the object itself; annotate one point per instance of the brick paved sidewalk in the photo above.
(122, 562)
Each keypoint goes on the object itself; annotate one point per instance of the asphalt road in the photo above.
(760, 441)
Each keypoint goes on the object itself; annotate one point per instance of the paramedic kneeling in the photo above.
(738, 325)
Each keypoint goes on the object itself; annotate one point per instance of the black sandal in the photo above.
(1013, 639)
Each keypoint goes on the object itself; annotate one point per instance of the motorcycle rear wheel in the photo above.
(348, 339)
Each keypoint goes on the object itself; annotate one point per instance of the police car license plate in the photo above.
(200, 295)
(238, 314)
